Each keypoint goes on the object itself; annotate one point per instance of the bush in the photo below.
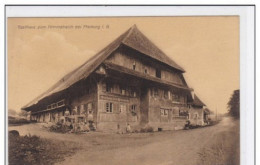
(18, 121)
(60, 128)
(147, 129)
(32, 150)
(14, 133)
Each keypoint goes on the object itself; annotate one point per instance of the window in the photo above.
(85, 107)
(134, 65)
(90, 108)
(175, 112)
(54, 105)
(60, 103)
(145, 70)
(183, 113)
(164, 112)
(123, 91)
(158, 73)
(49, 107)
(156, 92)
(175, 97)
(166, 94)
(109, 107)
(133, 107)
(81, 108)
(122, 108)
(169, 95)
(133, 93)
(133, 110)
(109, 88)
(78, 110)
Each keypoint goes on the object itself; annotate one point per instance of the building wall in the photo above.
(196, 116)
(164, 113)
(77, 104)
(126, 59)
(144, 106)
(122, 112)
(86, 104)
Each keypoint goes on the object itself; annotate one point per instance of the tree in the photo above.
(234, 104)
(12, 112)
(23, 114)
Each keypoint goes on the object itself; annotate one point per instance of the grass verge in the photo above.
(31, 150)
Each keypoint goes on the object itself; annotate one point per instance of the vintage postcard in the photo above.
(124, 90)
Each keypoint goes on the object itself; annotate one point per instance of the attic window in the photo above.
(109, 88)
(158, 73)
(134, 65)
(123, 90)
(133, 93)
(145, 70)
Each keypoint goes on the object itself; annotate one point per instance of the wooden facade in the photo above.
(127, 86)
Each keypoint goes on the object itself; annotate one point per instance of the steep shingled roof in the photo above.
(132, 38)
(197, 101)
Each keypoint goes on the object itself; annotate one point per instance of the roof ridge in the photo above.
(129, 33)
(135, 39)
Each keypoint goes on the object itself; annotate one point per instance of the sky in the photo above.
(39, 53)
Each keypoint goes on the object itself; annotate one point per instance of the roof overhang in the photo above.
(117, 68)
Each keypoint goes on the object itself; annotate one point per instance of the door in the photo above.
(122, 118)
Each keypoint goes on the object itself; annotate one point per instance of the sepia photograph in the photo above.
(132, 90)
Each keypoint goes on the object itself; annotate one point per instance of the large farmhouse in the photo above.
(129, 82)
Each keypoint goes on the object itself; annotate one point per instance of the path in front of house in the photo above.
(159, 148)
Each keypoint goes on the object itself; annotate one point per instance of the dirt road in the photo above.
(160, 148)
